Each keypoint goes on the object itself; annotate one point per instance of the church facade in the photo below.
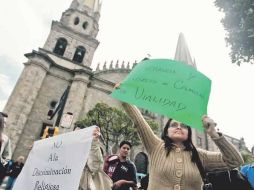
(64, 61)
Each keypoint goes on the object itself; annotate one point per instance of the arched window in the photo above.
(85, 24)
(60, 46)
(79, 54)
(76, 21)
(141, 162)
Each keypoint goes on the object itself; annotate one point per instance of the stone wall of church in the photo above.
(80, 22)
(95, 96)
(114, 75)
(51, 90)
(76, 97)
(54, 35)
(99, 89)
(24, 95)
(73, 41)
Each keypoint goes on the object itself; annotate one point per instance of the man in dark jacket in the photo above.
(120, 169)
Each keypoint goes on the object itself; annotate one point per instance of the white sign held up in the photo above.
(56, 163)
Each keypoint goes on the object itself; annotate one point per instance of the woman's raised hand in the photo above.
(209, 126)
(96, 133)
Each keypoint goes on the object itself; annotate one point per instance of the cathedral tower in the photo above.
(64, 61)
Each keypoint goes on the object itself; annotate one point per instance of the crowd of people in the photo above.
(173, 158)
(8, 167)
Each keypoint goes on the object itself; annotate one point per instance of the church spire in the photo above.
(182, 51)
(94, 5)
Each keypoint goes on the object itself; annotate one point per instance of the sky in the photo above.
(131, 29)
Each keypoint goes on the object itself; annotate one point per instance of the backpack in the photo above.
(111, 161)
(224, 180)
(232, 179)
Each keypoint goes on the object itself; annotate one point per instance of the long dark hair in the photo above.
(168, 142)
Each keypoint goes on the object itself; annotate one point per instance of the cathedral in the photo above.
(65, 62)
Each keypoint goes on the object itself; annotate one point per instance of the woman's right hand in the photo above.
(209, 126)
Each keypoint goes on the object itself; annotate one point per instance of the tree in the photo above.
(114, 123)
(247, 158)
(239, 24)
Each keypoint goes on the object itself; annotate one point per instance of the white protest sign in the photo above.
(56, 163)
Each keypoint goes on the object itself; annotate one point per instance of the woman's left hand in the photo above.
(209, 126)
(96, 133)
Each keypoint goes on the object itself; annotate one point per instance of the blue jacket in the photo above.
(248, 171)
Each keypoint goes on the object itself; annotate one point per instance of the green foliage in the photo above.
(114, 123)
(247, 158)
(239, 23)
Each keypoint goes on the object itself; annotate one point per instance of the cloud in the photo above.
(9, 67)
(3, 83)
(9, 73)
(5, 89)
(2, 104)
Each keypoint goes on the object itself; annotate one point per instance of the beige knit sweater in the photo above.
(93, 176)
(177, 172)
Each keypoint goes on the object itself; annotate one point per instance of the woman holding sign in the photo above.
(173, 158)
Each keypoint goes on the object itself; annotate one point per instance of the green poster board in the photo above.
(168, 87)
